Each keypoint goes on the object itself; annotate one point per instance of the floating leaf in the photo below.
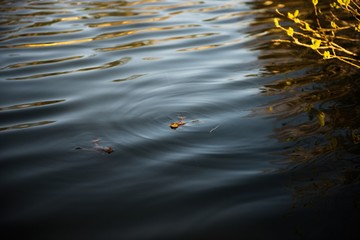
(175, 125)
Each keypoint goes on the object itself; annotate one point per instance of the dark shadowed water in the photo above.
(251, 162)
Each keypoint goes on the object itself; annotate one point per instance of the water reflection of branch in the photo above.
(321, 154)
(322, 159)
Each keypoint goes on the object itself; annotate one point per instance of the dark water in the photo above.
(250, 162)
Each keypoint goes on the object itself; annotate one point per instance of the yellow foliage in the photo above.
(307, 27)
(344, 2)
(357, 28)
(315, 43)
(290, 31)
(333, 24)
(327, 55)
(325, 38)
(296, 13)
(276, 21)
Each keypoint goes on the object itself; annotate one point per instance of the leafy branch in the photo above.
(323, 39)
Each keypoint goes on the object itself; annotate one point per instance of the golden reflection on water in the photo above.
(40, 34)
(127, 9)
(129, 16)
(52, 44)
(210, 46)
(127, 22)
(172, 6)
(151, 42)
(119, 62)
(321, 157)
(30, 105)
(132, 77)
(26, 125)
(35, 63)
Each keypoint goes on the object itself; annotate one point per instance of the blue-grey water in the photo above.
(121, 72)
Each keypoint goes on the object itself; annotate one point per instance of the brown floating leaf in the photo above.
(175, 125)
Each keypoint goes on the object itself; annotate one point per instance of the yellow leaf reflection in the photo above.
(321, 118)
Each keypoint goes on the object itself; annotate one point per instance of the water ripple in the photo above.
(25, 125)
(30, 105)
(121, 61)
(122, 71)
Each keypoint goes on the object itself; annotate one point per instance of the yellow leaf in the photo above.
(315, 2)
(276, 21)
(321, 117)
(293, 16)
(358, 28)
(296, 13)
(327, 55)
(315, 43)
(344, 2)
(290, 31)
(333, 24)
(307, 27)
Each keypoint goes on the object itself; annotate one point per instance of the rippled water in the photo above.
(122, 71)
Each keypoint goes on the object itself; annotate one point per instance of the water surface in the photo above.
(122, 71)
